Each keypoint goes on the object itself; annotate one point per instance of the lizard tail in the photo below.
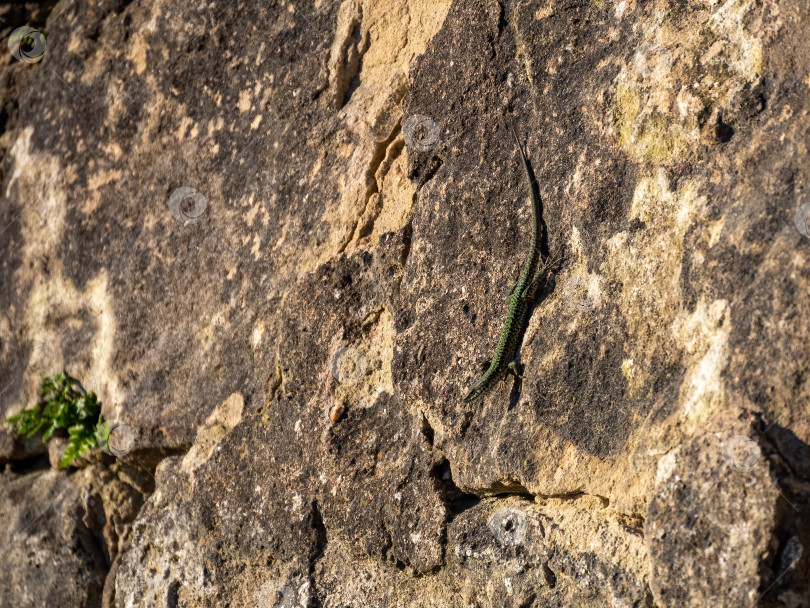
(486, 382)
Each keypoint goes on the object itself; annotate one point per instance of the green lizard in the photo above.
(521, 296)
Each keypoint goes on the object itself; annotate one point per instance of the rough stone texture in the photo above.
(696, 514)
(291, 354)
(62, 532)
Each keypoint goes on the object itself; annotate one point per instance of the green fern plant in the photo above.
(63, 405)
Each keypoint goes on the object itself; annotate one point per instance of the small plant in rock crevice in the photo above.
(64, 409)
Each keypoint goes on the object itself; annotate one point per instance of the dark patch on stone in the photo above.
(457, 501)
(172, 599)
(502, 215)
(469, 225)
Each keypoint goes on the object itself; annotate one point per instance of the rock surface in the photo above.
(276, 239)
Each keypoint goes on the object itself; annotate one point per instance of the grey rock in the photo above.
(276, 239)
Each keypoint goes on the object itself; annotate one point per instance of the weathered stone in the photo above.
(61, 533)
(276, 240)
(709, 522)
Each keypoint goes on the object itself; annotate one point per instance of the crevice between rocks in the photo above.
(138, 473)
(787, 565)
(455, 500)
(572, 496)
(364, 224)
(318, 552)
(29, 464)
(432, 167)
(507, 488)
(407, 239)
(274, 384)
(348, 48)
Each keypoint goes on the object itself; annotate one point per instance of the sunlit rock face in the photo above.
(277, 240)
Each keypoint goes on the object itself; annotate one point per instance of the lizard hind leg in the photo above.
(555, 258)
(512, 368)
